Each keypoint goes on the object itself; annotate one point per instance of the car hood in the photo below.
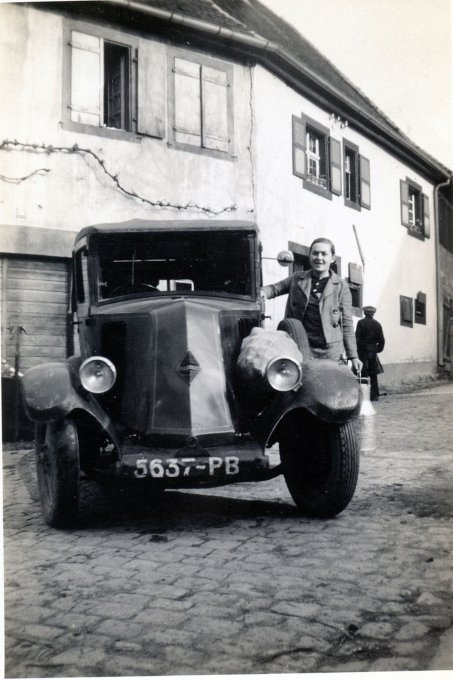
(176, 361)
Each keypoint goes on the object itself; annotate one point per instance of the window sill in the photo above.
(225, 155)
(317, 189)
(352, 204)
(110, 133)
(415, 234)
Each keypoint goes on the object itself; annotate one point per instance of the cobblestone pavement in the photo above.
(233, 580)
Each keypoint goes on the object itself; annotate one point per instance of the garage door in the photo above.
(34, 298)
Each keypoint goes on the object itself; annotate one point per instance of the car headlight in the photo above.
(97, 374)
(283, 374)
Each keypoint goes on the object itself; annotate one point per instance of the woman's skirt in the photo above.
(331, 351)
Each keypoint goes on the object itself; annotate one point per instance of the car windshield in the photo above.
(161, 262)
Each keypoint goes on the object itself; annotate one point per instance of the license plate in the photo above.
(171, 468)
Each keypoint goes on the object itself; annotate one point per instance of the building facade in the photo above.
(192, 110)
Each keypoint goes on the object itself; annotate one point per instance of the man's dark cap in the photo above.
(369, 309)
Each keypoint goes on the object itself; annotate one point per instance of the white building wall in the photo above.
(395, 263)
(70, 190)
(66, 191)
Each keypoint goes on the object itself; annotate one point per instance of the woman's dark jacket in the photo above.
(335, 306)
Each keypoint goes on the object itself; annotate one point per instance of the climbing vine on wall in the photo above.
(76, 149)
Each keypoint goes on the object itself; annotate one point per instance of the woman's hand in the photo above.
(356, 365)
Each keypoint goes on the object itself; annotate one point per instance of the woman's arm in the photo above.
(348, 327)
(275, 289)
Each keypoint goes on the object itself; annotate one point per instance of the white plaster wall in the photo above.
(71, 190)
(395, 263)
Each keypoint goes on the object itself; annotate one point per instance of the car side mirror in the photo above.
(285, 258)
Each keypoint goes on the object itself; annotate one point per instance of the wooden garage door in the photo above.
(35, 298)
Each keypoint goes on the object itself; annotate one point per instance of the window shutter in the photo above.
(151, 95)
(426, 221)
(214, 99)
(404, 189)
(365, 187)
(298, 147)
(86, 78)
(187, 121)
(355, 274)
(335, 166)
(406, 311)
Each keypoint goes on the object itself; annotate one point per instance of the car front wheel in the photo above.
(58, 468)
(320, 463)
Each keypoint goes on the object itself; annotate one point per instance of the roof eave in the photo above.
(303, 79)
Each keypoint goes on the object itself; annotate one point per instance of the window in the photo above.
(116, 86)
(406, 311)
(351, 175)
(414, 209)
(100, 82)
(114, 83)
(355, 280)
(81, 275)
(198, 263)
(317, 160)
(316, 157)
(420, 308)
(357, 192)
(201, 104)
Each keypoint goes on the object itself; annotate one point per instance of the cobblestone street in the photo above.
(233, 580)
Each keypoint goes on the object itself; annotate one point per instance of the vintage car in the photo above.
(157, 396)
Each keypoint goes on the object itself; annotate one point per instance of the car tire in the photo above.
(320, 463)
(58, 471)
(296, 332)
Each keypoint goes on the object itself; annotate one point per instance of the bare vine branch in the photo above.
(18, 180)
(75, 148)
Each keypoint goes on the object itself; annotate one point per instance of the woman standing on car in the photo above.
(321, 300)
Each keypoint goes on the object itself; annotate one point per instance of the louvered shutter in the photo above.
(298, 147)
(214, 99)
(426, 220)
(335, 166)
(151, 96)
(355, 274)
(187, 126)
(365, 185)
(86, 78)
(404, 189)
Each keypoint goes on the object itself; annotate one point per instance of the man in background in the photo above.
(370, 342)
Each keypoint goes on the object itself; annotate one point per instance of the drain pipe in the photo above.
(439, 291)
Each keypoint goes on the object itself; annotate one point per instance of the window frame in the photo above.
(351, 148)
(328, 154)
(421, 208)
(208, 62)
(114, 37)
(322, 133)
(420, 308)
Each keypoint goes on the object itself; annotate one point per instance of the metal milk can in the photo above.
(366, 421)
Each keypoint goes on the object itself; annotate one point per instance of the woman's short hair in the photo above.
(321, 239)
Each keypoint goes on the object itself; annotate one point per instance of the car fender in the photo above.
(329, 391)
(52, 391)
